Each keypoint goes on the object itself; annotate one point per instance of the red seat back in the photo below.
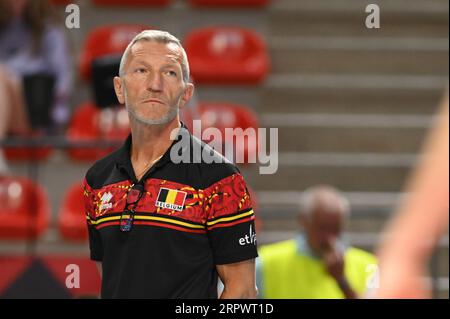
(227, 55)
(29, 153)
(25, 209)
(104, 41)
(86, 126)
(227, 115)
(71, 217)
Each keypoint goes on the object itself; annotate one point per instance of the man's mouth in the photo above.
(153, 101)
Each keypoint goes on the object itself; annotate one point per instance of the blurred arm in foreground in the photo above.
(420, 222)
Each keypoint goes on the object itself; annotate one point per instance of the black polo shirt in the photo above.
(190, 218)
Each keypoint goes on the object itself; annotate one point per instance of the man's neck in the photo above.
(149, 142)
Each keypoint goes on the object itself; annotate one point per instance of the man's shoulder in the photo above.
(101, 169)
(212, 166)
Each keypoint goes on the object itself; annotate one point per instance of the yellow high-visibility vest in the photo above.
(286, 273)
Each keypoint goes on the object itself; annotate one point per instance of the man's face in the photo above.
(152, 85)
(323, 230)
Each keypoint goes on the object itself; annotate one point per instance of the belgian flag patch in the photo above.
(171, 199)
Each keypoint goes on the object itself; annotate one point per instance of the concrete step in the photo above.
(347, 100)
(357, 224)
(290, 93)
(358, 81)
(349, 139)
(346, 178)
(347, 18)
(353, 24)
(408, 6)
(285, 205)
(292, 54)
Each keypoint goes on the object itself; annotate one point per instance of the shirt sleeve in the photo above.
(95, 240)
(230, 220)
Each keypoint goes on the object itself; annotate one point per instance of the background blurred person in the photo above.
(32, 46)
(317, 264)
(421, 220)
(13, 117)
(34, 62)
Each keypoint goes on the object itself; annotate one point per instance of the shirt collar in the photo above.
(124, 156)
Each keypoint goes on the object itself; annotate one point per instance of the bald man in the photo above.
(316, 264)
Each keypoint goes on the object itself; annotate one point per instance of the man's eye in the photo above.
(140, 70)
(172, 73)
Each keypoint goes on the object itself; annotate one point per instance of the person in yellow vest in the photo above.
(317, 265)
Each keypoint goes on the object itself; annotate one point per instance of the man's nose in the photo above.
(155, 82)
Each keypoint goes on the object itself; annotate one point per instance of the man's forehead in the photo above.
(325, 215)
(170, 51)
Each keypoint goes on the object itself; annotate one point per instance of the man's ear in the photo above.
(118, 88)
(187, 95)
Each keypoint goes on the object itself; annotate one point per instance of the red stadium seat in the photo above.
(61, 2)
(228, 3)
(87, 126)
(25, 209)
(134, 3)
(29, 153)
(106, 41)
(226, 115)
(227, 55)
(71, 217)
